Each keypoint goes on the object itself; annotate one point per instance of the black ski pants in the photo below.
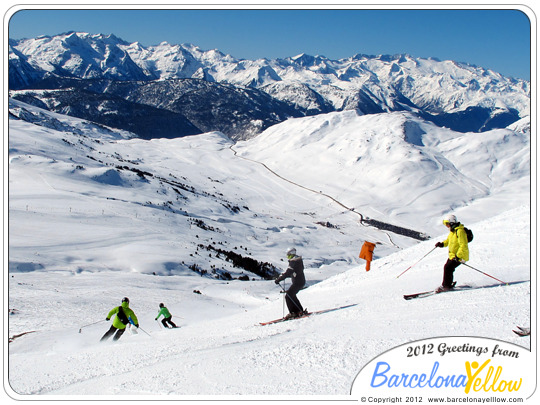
(293, 304)
(164, 321)
(448, 277)
(111, 331)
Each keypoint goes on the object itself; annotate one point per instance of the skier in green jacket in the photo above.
(166, 316)
(124, 316)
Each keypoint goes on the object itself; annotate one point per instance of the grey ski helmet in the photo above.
(291, 251)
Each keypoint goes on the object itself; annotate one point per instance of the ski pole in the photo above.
(138, 327)
(158, 324)
(485, 274)
(283, 288)
(295, 304)
(283, 292)
(90, 324)
(410, 267)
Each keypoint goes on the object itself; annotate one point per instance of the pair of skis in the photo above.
(522, 331)
(429, 293)
(420, 295)
(305, 315)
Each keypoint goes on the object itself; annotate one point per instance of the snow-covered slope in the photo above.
(95, 216)
(220, 349)
(395, 166)
(162, 198)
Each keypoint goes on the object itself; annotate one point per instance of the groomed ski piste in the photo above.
(82, 236)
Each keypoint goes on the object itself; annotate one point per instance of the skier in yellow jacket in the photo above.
(458, 250)
(124, 316)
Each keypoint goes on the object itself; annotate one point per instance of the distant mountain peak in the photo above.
(449, 93)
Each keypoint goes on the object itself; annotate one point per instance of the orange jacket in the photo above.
(367, 251)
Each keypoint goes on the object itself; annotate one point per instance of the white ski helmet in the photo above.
(450, 219)
(291, 251)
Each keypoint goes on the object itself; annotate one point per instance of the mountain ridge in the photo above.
(334, 177)
(452, 94)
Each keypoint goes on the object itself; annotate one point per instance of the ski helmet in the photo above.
(125, 299)
(450, 219)
(291, 251)
(161, 305)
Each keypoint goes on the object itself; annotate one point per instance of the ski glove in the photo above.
(107, 319)
(439, 244)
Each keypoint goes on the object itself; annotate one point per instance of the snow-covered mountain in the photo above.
(451, 94)
(200, 223)
(317, 154)
(392, 166)
(188, 192)
(382, 167)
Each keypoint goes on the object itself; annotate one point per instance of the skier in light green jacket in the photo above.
(166, 316)
(124, 316)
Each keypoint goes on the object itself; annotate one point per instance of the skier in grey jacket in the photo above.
(296, 272)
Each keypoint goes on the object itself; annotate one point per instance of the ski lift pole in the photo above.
(411, 266)
(485, 274)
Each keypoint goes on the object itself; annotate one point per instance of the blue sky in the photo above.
(497, 39)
